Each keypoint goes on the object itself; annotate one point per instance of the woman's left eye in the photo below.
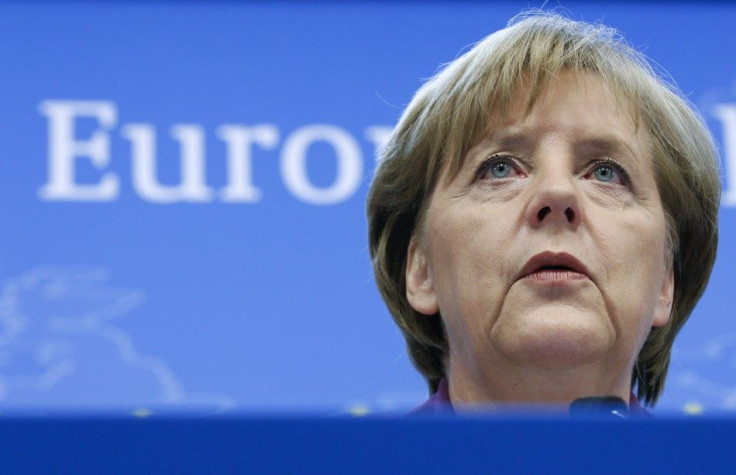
(608, 172)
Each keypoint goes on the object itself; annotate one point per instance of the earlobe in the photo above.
(664, 304)
(419, 288)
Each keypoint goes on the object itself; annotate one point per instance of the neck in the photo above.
(533, 386)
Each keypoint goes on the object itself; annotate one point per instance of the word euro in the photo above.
(66, 149)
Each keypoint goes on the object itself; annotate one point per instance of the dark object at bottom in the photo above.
(599, 406)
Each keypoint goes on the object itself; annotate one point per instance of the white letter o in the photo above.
(294, 164)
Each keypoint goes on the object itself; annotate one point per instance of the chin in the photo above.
(564, 342)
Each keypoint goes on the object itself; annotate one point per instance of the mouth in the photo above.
(554, 267)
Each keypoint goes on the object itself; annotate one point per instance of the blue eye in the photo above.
(500, 169)
(609, 171)
(605, 173)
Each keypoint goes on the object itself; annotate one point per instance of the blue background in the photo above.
(137, 307)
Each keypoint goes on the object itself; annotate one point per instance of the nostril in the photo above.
(570, 214)
(543, 212)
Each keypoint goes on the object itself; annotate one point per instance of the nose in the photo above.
(555, 202)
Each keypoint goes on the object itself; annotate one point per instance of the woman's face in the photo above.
(546, 254)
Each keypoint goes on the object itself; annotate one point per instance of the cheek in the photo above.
(469, 248)
(637, 248)
(635, 252)
(468, 253)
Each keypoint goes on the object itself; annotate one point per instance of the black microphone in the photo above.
(598, 406)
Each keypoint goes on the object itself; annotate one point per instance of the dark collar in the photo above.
(440, 403)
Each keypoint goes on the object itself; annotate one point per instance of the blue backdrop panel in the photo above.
(182, 191)
(381, 445)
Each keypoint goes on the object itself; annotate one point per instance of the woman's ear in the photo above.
(664, 303)
(419, 288)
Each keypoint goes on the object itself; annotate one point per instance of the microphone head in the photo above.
(599, 406)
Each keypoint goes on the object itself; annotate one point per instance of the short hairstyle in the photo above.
(451, 111)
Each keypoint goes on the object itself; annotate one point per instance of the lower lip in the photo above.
(553, 276)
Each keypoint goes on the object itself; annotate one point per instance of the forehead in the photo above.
(573, 88)
(605, 117)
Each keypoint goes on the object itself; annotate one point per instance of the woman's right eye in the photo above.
(498, 167)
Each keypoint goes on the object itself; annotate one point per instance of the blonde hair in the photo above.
(450, 112)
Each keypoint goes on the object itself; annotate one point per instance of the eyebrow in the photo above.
(501, 140)
(510, 140)
(608, 145)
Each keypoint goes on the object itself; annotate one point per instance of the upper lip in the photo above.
(553, 260)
